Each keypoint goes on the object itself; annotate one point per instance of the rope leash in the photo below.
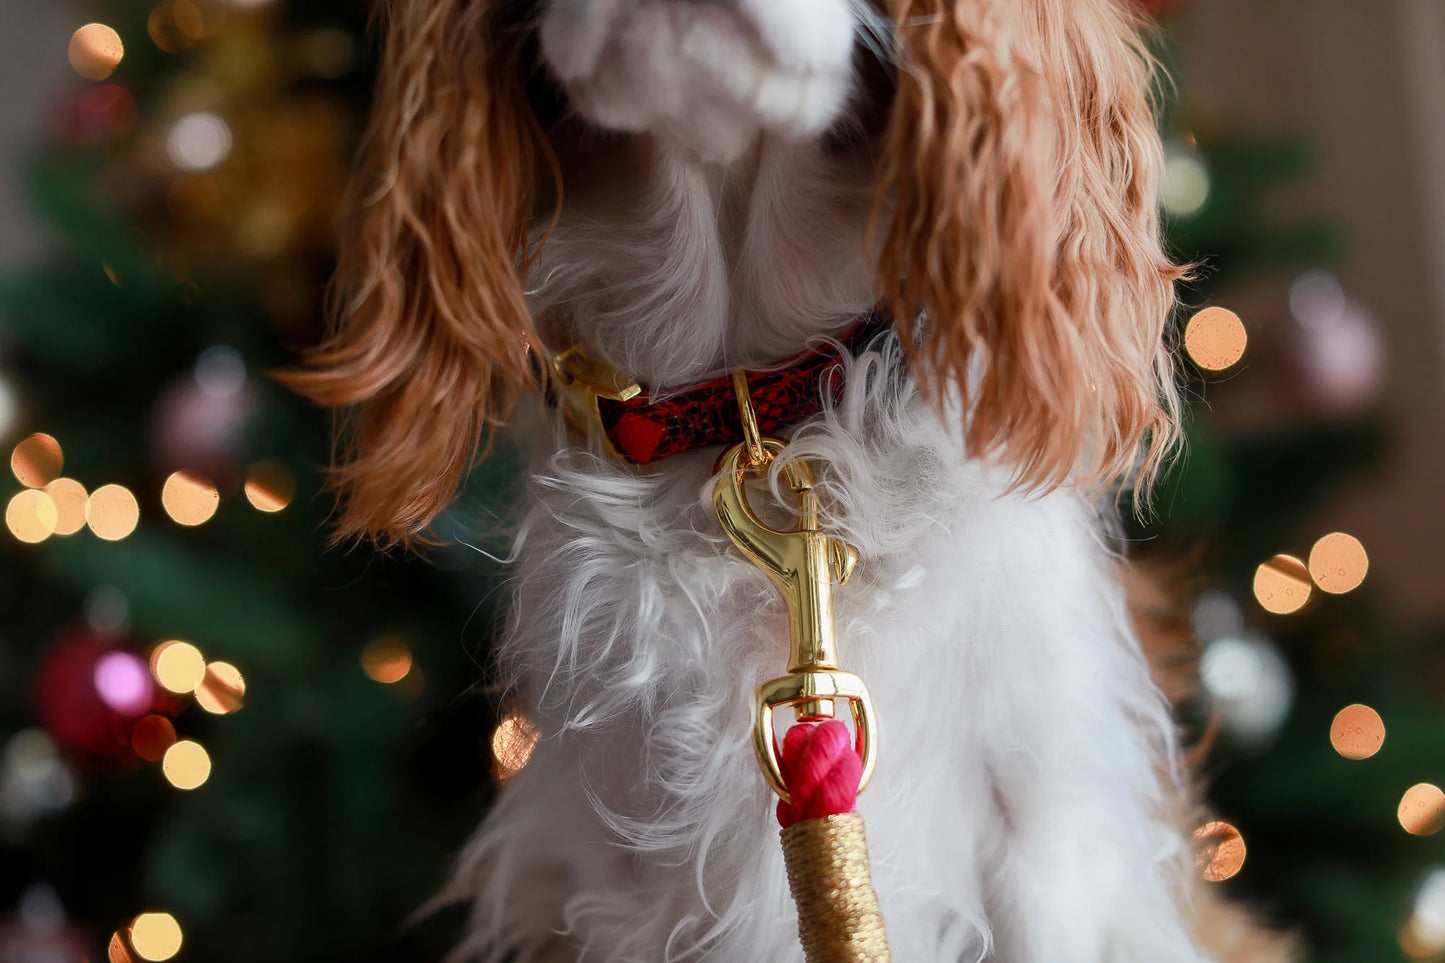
(821, 768)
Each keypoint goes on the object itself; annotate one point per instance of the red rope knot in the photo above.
(822, 771)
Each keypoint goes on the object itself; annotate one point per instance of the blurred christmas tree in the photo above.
(1301, 668)
(206, 714)
(215, 727)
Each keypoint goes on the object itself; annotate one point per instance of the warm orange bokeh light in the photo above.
(1220, 853)
(155, 936)
(1215, 339)
(37, 461)
(112, 512)
(223, 690)
(269, 486)
(386, 659)
(152, 736)
(1358, 732)
(178, 666)
(31, 516)
(1422, 810)
(70, 498)
(1338, 563)
(1282, 585)
(95, 51)
(186, 765)
(118, 951)
(188, 499)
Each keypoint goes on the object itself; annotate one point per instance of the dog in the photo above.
(672, 190)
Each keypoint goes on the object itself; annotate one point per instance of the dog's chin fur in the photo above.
(718, 188)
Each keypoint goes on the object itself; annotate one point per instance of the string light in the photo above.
(95, 51)
(1215, 339)
(1221, 851)
(386, 659)
(186, 765)
(269, 486)
(70, 498)
(37, 461)
(1357, 732)
(156, 936)
(1338, 563)
(512, 744)
(223, 690)
(188, 499)
(1282, 585)
(112, 512)
(1422, 809)
(31, 516)
(178, 666)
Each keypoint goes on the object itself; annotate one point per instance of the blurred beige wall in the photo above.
(34, 35)
(1365, 81)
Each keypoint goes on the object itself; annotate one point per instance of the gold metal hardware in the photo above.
(803, 564)
(579, 380)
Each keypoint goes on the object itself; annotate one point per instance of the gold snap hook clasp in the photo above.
(803, 564)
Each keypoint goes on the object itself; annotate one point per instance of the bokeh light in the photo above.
(1219, 852)
(223, 690)
(174, 25)
(156, 936)
(70, 498)
(220, 371)
(189, 499)
(1215, 339)
(112, 512)
(118, 951)
(512, 744)
(122, 682)
(1338, 563)
(31, 516)
(178, 666)
(152, 736)
(1185, 187)
(1422, 809)
(9, 407)
(1282, 585)
(1423, 937)
(269, 486)
(198, 142)
(37, 461)
(95, 51)
(1357, 732)
(386, 659)
(186, 765)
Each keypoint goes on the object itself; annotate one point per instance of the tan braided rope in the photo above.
(838, 916)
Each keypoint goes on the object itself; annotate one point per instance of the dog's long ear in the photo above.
(431, 336)
(1017, 209)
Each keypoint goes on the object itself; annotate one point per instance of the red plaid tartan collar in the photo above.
(642, 425)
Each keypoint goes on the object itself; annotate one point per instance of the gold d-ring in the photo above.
(752, 438)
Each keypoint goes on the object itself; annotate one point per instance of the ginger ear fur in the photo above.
(431, 338)
(1017, 211)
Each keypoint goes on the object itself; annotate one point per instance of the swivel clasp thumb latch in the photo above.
(803, 564)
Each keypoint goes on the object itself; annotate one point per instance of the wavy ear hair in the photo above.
(1017, 212)
(432, 343)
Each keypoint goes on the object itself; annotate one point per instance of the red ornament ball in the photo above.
(90, 691)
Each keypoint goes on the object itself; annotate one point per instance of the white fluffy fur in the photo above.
(1017, 814)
